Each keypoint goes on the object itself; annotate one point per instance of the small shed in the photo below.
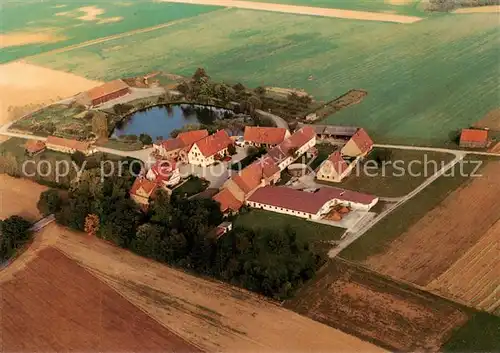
(474, 138)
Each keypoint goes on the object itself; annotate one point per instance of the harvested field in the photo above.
(361, 302)
(474, 278)
(305, 10)
(53, 304)
(445, 234)
(21, 38)
(24, 87)
(212, 315)
(490, 121)
(19, 197)
(352, 97)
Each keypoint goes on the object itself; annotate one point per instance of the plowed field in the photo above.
(475, 277)
(446, 233)
(359, 301)
(54, 305)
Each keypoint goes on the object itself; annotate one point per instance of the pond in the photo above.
(160, 121)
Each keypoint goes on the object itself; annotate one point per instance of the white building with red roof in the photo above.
(142, 190)
(359, 145)
(264, 136)
(165, 172)
(334, 168)
(171, 148)
(205, 152)
(309, 205)
(71, 146)
(293, 147)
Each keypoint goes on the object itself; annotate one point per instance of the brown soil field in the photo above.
(484, 9)
(361, 302)
(19, 197)
(211, 315)
(445, 234)
(491, 120)
(25, 87)
(305, 10)
(474, 279)
(55, 305)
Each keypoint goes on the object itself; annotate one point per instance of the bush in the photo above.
(49, 202)
(146, 139)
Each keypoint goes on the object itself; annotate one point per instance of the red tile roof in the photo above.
(298, 139)
(73, 144)
(339, 164)
(172, 144)
(105, 89)
(264, 135)
(149, 187)
(163, 169)
(362, 140)
(227, 201)
(249, 178)
(474, 135)
(215, 143)
(33, 146)
(190, 137)
(309, 202)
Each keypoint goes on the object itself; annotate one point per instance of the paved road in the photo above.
(436, 149)
(349, 238)
(42, 223)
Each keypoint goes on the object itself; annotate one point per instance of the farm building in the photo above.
(63, 145)
(205, 152)
(334, 168)
(142, 190)
(33, 147)
(474, 138)
(229, 204)
(165, 172)
(223, 228)
(171, 148)
(293, 147)
(332, 131)
(310, 205)
(264, 136)
(359, 145)
(104, 93)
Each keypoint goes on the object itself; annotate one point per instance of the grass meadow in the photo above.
(423, 80)
(60, 18)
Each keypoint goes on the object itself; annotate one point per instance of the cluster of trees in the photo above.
(449, 5)
(14, 233)
(177, 231)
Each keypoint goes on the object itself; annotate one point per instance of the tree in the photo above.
(260, 90)
(122, 109)
(14, 232)
(145, 139)
(99, 124)
(200, 75)
(149, 241)
(79, 158)
(49, 202)
(91, 225)
(231, 149)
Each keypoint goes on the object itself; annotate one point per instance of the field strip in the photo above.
(304, 10)
(112, 37)
(479, 9)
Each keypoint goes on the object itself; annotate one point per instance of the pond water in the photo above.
(160, 121)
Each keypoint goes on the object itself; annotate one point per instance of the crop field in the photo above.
(361, 302)
(33, 27)
(473, 278)
(53, 304)
(19, 197)
(408, 83)
(214, 316)
(404, 7)
(430, 246)
(380, 237)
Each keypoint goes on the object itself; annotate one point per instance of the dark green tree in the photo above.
(49, 202)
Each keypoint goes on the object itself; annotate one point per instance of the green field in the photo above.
(376, 240)
(413, 7)
(423, 80)
(480, 334)
(318, 235)
(59, 17)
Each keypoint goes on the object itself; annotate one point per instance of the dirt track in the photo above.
(19, 197)
(54, 305)
(446, 233)
(305, 10)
